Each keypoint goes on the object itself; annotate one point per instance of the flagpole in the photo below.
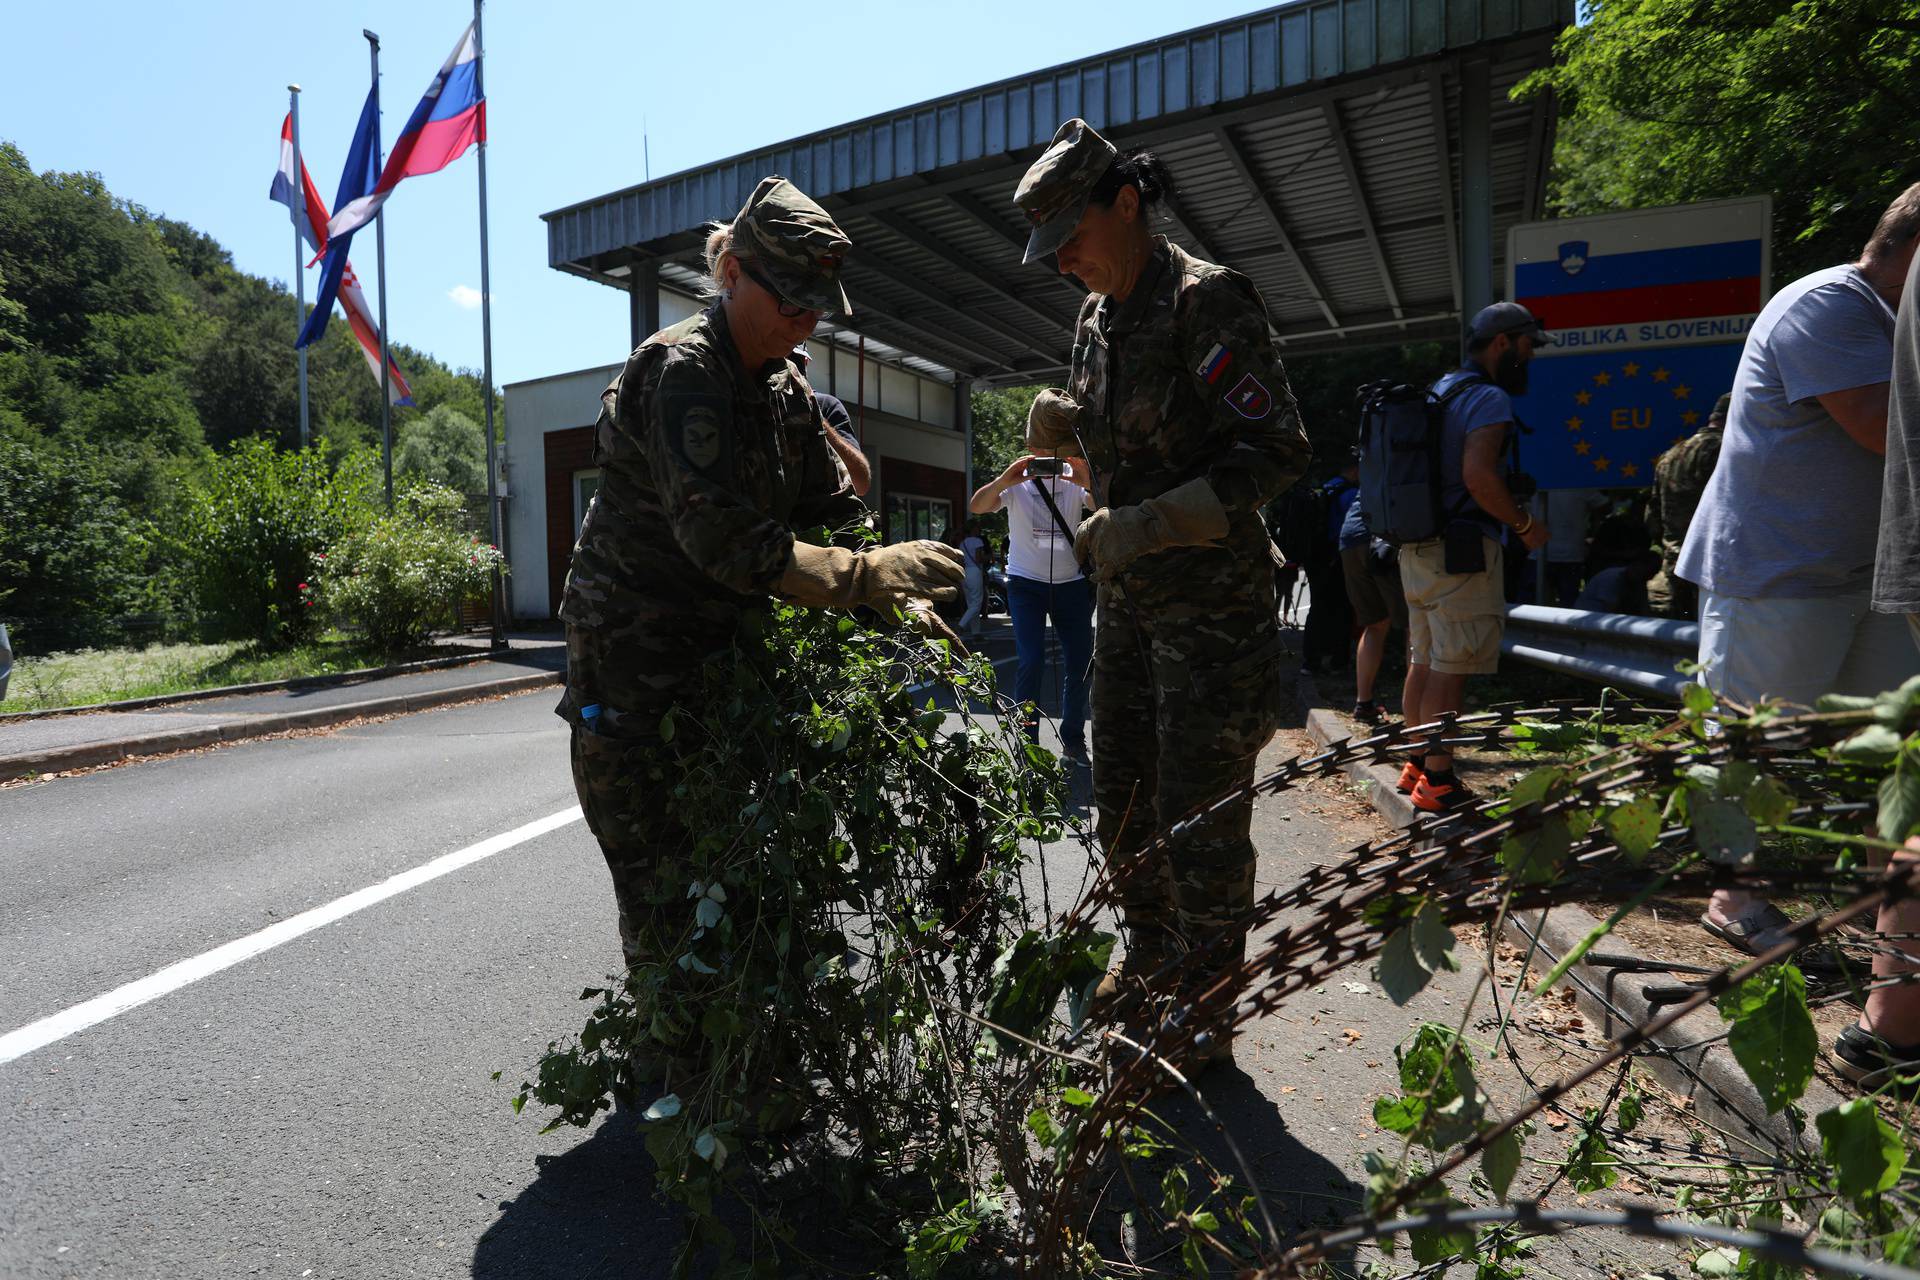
(299, 254)
(380, 269)
(498, 611)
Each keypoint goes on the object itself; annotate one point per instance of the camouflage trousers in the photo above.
(621, 776)
(1182, 705)
(1671, 596)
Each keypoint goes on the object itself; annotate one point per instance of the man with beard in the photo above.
(1456, 598)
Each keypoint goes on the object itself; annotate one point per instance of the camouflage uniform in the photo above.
(1680, 476)
(1182, 382)
(706, 471)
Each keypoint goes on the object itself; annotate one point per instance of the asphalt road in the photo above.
(324, 1108)
(46, 733)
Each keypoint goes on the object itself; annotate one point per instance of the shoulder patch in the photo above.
(701, 441)
(1214, 365)
(1250, 398)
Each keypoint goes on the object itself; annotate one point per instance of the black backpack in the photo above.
(1401, 429)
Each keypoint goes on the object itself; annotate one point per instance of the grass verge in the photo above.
(88, 676)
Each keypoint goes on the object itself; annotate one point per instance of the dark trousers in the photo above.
(1070, 605)
(1329, 626)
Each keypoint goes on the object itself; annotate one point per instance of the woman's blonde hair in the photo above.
(719, 249)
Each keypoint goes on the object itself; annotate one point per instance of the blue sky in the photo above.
(179, 106)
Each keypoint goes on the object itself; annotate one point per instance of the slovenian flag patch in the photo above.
(1215, 364)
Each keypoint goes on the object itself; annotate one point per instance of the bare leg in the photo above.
(1366, 659)
(1414, 692)
(1893, 1013)
(1440, 693)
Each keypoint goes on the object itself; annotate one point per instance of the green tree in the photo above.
(71, 556)
(445, 447)
(1813, 101)
(999, 429)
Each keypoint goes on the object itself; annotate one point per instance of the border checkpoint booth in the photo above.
(1360, 160)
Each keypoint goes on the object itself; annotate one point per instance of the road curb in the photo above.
(88, 754)
(1697, 1064)
(367, 674)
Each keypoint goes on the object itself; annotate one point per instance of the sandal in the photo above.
(1870, 1061)
(1758, 928)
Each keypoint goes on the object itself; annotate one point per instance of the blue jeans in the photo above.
(1071, 605)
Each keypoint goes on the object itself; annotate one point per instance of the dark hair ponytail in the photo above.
(1139, 169)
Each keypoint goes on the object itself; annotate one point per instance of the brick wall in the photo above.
(566, 452)
(900, 476)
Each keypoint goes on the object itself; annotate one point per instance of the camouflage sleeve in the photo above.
(686, 430)
(1230, 357)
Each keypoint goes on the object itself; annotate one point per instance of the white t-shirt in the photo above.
(975, 550)
(1036, 549)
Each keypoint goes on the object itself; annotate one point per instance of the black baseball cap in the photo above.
(1503, 317)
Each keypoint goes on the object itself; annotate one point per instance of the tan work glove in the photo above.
(888, 578)
(1114, 537)
(1051, 422)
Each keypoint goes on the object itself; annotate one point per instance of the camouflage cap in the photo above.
(795, 244)
(1721, 407)
(1054, 191)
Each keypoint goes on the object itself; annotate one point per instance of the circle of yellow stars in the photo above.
(1631, 370)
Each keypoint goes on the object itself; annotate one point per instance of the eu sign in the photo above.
(1647, 313)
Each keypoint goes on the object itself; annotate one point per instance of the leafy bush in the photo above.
(70, 554)
(854, 891)
(403, 572)
(256, 532)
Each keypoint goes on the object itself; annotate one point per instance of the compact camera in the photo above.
(1047, 467)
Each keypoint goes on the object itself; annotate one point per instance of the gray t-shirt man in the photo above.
(1896, 571)
(1792, 509)
(1480, 405)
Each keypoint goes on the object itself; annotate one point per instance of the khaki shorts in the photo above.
(1454, 620)
(1373, 592)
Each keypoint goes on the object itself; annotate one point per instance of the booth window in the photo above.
(912, 515)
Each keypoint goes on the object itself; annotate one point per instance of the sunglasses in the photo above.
(787, 310)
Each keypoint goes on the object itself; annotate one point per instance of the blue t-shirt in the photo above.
(1346, 499)
(1479, 406)
(1353, 525)
(1793, 509)
(835, 412)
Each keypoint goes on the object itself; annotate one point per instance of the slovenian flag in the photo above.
(1629, 278)
(450, 118)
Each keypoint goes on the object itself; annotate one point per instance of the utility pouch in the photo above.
(1465, 548)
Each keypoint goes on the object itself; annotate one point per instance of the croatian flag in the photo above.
(450, 118)
(309, 215)
(367, 334)
(313, 229)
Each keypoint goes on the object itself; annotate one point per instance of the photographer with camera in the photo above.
(1043, 499)
(1456, 596)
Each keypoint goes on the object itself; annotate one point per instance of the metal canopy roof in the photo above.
(1345, 154)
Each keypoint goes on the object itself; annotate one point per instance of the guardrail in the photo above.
(1619, 649)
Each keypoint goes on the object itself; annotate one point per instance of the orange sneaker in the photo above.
(1410, 775)
(1441, 793)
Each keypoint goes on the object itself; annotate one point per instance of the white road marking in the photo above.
(39, 1034)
